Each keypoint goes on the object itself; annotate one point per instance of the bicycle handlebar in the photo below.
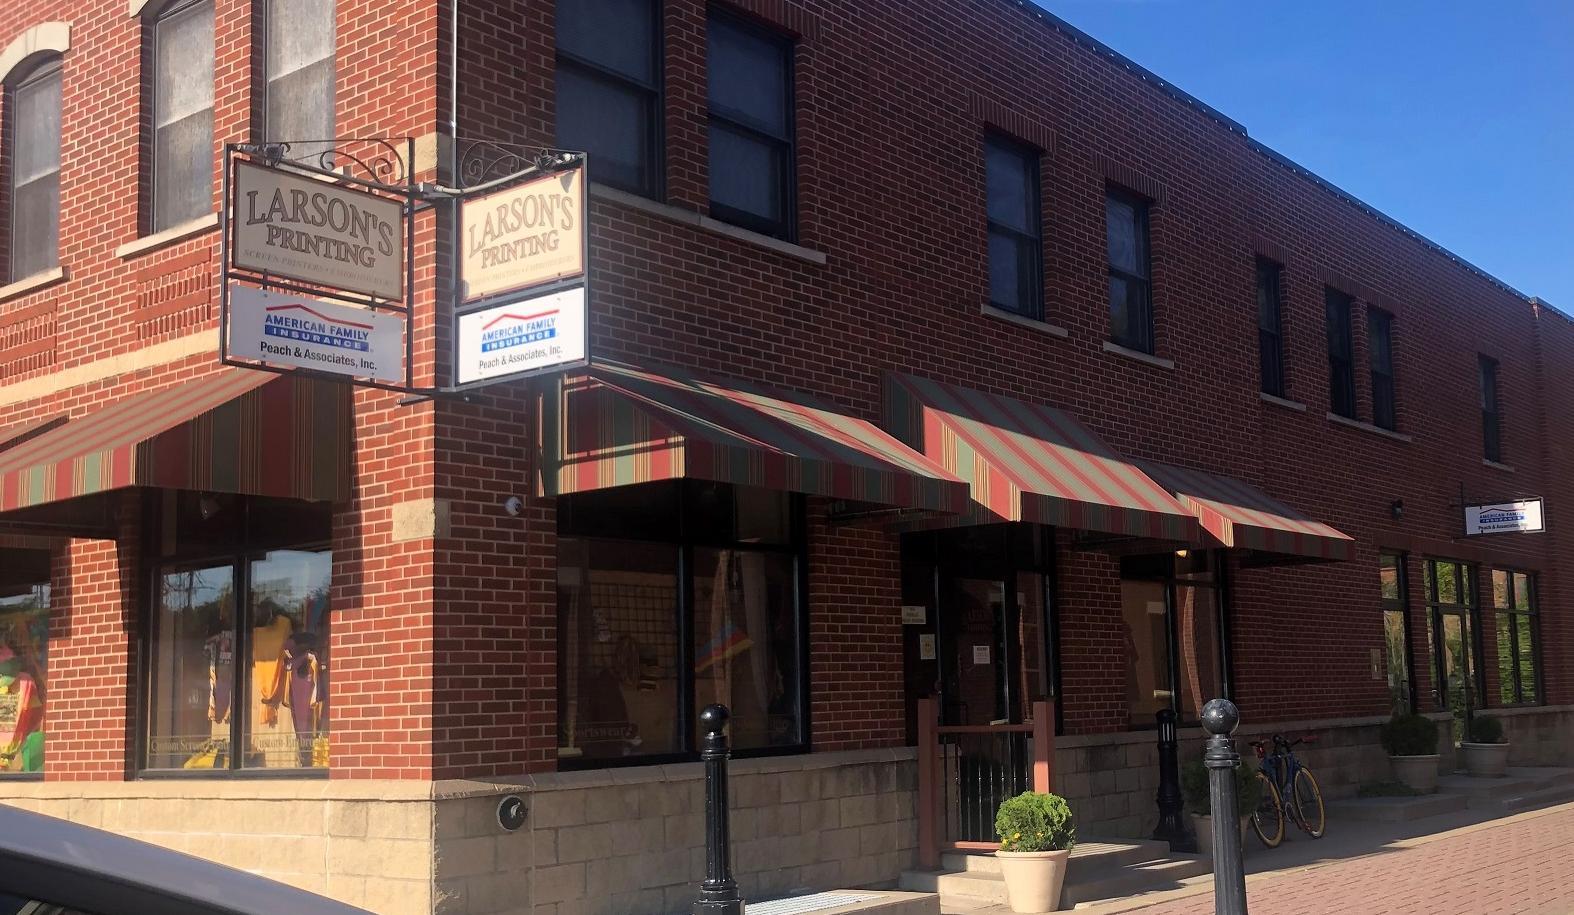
(1280, 740)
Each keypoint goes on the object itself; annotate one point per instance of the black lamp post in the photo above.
(1170, 828)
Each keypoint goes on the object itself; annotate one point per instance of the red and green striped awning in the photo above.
(618, 425)
(1029, 462)
(1240, 515)
(17, 433)
(239, 431)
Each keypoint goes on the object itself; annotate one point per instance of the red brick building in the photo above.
(1112, 407)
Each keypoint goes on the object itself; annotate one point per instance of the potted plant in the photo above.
(1199, 801)
(1411, 742)
(1486, 752)
(1036, 837)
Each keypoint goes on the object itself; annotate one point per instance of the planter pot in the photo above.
(1419, 772)
(1203, 827)
(1486, 760)
(1033, 879)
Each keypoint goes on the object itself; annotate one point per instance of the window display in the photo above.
(239, 643)
(24, 641)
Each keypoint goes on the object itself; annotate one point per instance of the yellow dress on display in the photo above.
(272, 734)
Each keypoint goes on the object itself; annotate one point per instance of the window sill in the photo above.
(168, 237)
(1485, 462)
(1368, 427)
(1286, 403)
(1043, 327)
(1139, 356)
(33, 283)
(700, 221)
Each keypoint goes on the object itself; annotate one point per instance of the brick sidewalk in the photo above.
(1521, 866)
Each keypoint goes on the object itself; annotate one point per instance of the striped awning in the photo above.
(17, 433)
(617, 425)
(1029, 462)
(1240, 515)
(238, 431)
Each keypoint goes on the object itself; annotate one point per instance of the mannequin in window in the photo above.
(273, 743)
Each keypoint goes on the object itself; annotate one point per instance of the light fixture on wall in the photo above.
(208, 506)
(1397, 510)
(1182, 554)
(513, 505)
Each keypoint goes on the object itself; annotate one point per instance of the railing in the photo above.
(965, 772)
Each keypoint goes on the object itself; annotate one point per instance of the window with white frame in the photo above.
(34, 102)
(182, 94)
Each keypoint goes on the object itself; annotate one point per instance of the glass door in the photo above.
(976, 659)
(1451, 604)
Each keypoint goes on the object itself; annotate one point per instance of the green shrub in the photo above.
(1035, 822)
(1194, 789)
(1486, 730)
(1410, 735)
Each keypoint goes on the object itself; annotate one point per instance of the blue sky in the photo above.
(1455, 117)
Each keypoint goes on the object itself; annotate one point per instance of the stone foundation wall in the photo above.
(1540, 736)
(1111, 780)
(609, 842)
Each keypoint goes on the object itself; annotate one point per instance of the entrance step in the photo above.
(1395, 809)
(848, 902)
(1097, 871)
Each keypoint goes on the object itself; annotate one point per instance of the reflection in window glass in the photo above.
(746, 643)
(1396, 631)
(24, 642)
(1514, 612)
(1147, 650)
(618, 681)
(182, 114)
(193, 669)
(1198, 642)
(288, 677)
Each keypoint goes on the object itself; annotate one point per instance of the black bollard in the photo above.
(719, 892)
(1169, 797)
(1220, 717)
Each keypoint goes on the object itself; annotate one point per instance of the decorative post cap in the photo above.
(1220, 716)
(713, 720)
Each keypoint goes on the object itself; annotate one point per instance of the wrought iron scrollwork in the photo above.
(372, 160)
(481, 161)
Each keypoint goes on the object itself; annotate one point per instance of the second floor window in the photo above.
(1491, 432)
(1270, 327)
(1380, 345)
(182, 114)
(1341, 360)
(609, 89)
(34, 106)
(300, 58)
(751, 126)
(1016, 279)
(1130, 287)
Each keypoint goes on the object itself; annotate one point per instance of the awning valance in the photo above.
(1029, 462)
(1242, 516)
(239, 431)
(617, 425)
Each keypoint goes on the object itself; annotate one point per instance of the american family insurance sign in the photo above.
(1518, 517)
(288, 225)
(531, 334)
(528, 235)
(308, 333)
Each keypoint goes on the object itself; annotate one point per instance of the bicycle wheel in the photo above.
(1306, 800)
(1268, 818)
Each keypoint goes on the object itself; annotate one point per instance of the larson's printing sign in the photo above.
(527, 335)
(527, 235)
(317, 232)
(309, 333)
(1521, 517)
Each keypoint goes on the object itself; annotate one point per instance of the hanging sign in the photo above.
(308, 333)
(532, 334)
(1519, 517)
(528, 235)
(291, 226)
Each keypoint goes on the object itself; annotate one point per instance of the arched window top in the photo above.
(43, 39)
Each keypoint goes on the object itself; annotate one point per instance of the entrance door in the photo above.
(977, 661)
(1451, 604)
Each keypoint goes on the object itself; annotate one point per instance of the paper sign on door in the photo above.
(980, 654)
(926, 646)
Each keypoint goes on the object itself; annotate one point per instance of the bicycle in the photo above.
(1287, 786)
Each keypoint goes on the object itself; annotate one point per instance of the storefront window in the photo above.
(238, 650)
(695, 601)
(1396, 630)
(24, 641)
(1514, 610)
(1451, 606)
(1170, 614)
